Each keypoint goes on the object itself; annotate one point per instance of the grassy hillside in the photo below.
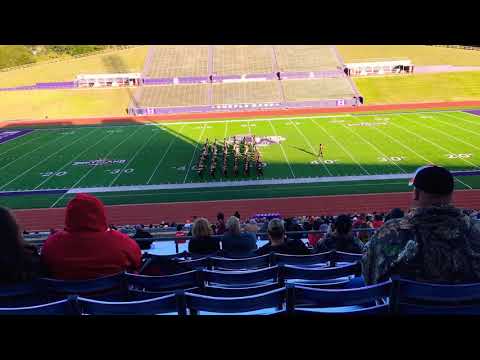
(456, 86)
(127, 60)
(419, 54)
(63, 103)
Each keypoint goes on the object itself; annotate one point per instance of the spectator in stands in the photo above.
(394, 214)
(377, 222)
(279, 243)
(202, 241)
(180, 233)
(19, 261)
(341, 238)
(361, 223)
(220, 224)
(235, 242)
(87, 249)
(141, 233)
(313, 238)
(251, 227)
(435, 242)
(237, 215)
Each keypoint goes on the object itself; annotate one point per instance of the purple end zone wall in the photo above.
(12, 134)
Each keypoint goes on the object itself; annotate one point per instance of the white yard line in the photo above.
(132, 158)
(283, 151)
(431, 142)
(32, 151)
(445, 133)
(476, 133)
(343, 148)
(45, 159)
(194, 152)
(463, 119)
(311, 147)
(414, 152)
(95, 166)
(25, 143)
(164, 154)
(376, 148)
(70, 161)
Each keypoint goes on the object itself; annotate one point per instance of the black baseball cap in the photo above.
(433, 180)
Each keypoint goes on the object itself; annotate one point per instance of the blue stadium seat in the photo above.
(233, 278)
(257, 262)
(317, 260)
(61, 307)
(318, 276)
(22, 294)
(413, 297)
(196, 264)
(160, 305)
(112, 287)
(382, 309)
(339, 300)
(342, 258)
(225, 291)
(271, 302)
(165, 284)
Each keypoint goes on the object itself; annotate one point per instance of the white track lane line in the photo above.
(164, 154)
(45, 159)
(94, 167)
(283, 151)
(194, 152)
(374, 147)
(343, 148)
(311, 147)
(431, 142)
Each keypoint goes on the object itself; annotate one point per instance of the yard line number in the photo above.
(53, 173)
(391, 158)
(118, 171)
(459, 156)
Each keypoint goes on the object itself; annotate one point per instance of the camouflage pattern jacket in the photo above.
(439, 244)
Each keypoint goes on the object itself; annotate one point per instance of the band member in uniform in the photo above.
(320, 151)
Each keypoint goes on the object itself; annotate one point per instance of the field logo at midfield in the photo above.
(99, 162)
(259, 140)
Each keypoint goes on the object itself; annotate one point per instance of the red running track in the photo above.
(42, 219)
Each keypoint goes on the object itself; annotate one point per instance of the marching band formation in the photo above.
(244, 153)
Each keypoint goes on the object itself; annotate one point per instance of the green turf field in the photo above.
(155, 162)
(455, 86)
(419, 54)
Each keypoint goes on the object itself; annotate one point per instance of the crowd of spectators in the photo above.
(433, 242)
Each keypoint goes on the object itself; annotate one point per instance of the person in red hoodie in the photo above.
(87, 248)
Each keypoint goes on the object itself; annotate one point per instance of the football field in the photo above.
(155, 162)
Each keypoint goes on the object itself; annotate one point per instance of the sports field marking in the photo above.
(164, 154)
(461, 118)
(132, 158)
(431, 142)
(21, 144)
(95, 166)
(252, 189)
(242, 183)
(71, 160)
(458, 127)
(226, 127)
(45, 159)
(445, 133)
(283, 151)
(32, 151)
(343, 148)
(311, 147)
(194, 152)
(376, 148)
(417, 154)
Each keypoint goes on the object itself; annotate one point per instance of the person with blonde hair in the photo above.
(202, 241)
(235, 242)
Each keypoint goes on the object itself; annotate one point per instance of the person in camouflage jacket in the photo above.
(435, 242)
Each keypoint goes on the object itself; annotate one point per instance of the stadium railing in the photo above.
(61, 307)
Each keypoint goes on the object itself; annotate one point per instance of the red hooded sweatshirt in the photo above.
(87, 249)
